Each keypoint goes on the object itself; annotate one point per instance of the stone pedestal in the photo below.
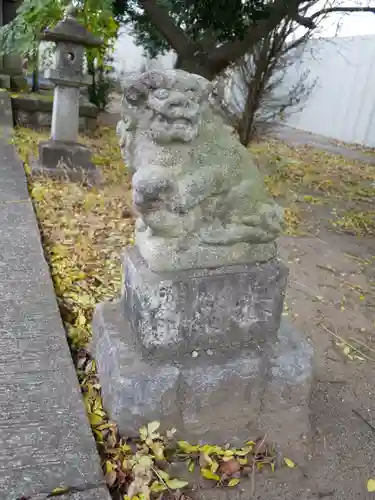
(66, 160)
(202, 351)
(225, 308)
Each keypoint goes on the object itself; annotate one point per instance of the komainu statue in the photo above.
(199, 199)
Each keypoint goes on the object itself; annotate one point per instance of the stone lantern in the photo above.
(62, 155)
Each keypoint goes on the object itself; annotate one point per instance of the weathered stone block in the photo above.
(70, 160)
(6, 117)
(288, 392)
(4, 81)
(221, 398)
(19, 83)
(213, 397)
(136, 391)
(44, 119)
(12, 73)
(177, 312)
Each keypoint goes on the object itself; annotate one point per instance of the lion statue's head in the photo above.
(165, 105)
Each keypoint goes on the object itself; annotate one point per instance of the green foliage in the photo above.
(98, 59)
(211, 35)
(102, 85)
(34, 16)
(97, 17)
(22, 35)
(223, 20)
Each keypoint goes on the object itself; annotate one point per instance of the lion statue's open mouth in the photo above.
(165, 129)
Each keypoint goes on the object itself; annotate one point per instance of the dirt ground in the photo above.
(331, 299)
(331, 292)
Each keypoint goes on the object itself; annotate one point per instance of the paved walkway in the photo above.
(297, 137)
(45, 439)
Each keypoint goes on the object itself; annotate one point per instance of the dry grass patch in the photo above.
(297, 172)
(84, 229)
(356, 222)
(300, 176)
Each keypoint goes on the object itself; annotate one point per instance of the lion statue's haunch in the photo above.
(198, 196)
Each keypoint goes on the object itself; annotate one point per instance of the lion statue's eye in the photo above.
(161, 94)
(136, 93)
(133, 96)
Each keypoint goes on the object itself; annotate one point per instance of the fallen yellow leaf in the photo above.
(207, 474)
(59, 490)
(371, 485)
(233, 482)
(289, 463)
(176, 484)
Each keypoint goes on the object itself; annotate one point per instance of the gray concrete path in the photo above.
(45, 439)
(296, 137)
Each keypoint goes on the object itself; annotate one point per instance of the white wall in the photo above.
(129, 57)
(342, 104)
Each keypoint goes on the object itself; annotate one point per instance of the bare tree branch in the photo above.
(308, 22)
(257, 98)
(231, 51)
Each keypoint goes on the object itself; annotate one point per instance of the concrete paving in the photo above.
(296, 137)
(45, 438)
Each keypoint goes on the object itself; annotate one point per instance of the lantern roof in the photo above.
(70, 30)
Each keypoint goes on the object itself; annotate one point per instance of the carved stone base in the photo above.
(218, 398)
(201, 351)
(175, 313)
(66, 160)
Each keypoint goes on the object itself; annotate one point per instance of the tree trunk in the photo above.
(247, 119)
(35, 74)
(255, 84)
(254, 88)
(195, 66)
(92, 90)
(35, 83)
